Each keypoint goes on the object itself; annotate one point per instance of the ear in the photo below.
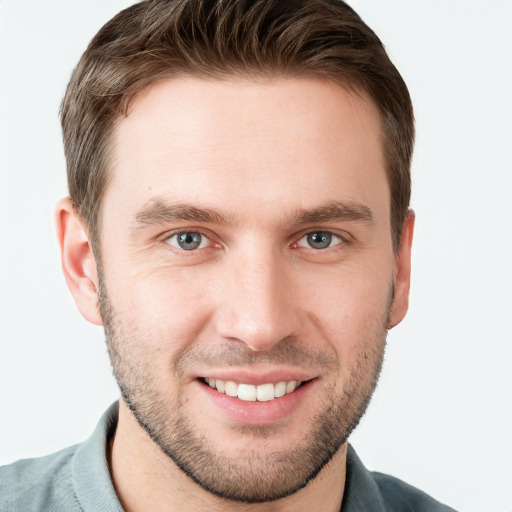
(78, 262)
(402, 273)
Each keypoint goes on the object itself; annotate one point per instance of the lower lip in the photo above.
(257, 413)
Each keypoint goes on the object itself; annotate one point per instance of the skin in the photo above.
(255, 302)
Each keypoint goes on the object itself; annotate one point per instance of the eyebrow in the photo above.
(334, 212)
(158, 211)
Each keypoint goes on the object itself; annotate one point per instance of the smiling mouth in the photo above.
(252, 393)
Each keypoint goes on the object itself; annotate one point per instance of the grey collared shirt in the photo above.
(77, 479)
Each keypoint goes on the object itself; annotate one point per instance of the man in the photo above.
(239, 177)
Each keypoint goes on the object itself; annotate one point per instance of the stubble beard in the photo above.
(255, 475)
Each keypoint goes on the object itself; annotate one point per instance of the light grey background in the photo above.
(442, 416)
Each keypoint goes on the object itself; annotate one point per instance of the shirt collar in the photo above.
(90, 472)
(361, 492)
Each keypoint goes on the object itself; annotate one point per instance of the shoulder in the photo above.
(402, 497)
(44, 483)
(377, 492)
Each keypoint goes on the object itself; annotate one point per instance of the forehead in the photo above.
(244, 144)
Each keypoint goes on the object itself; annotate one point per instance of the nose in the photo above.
(259, 303)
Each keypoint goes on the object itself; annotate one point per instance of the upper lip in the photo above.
(246, 376)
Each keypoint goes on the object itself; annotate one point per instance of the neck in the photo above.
(146, 479)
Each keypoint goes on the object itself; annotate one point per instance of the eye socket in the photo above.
(319, 240)
(188, 240)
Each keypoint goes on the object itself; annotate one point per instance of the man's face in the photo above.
(246, 245)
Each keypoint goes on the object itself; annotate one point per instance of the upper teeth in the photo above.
(251, 393)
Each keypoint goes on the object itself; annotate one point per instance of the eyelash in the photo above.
(334, 237)
(168, 236)
(340, 240)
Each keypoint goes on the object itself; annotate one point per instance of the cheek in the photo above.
(351, 309)
(166, 309)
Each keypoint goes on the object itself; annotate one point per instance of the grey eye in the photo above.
(188, 240)
(319, 240)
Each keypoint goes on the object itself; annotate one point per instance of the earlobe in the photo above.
(402, 273)
(78, 262)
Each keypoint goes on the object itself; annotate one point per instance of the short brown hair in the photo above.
(216, 38)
